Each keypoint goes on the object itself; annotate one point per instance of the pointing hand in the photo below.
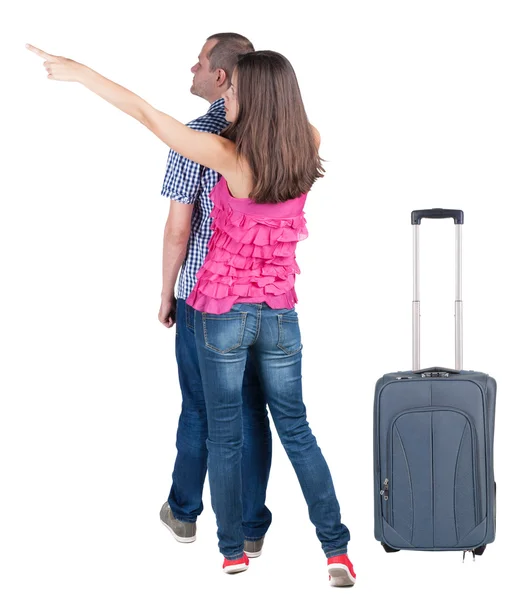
(58, 67)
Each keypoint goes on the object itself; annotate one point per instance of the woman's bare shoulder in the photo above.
(316, 135)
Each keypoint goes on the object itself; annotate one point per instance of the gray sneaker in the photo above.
(182, 531)
(253, 548)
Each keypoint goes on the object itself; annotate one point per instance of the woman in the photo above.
(245, 297)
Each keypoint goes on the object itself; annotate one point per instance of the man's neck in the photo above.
(218, 93)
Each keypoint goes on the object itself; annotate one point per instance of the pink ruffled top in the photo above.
(251, 254)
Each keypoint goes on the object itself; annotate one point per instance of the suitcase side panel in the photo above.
(376, 464)
(491, 396)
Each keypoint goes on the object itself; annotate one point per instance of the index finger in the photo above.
(39, 52)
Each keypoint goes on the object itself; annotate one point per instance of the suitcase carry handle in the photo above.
(436, 372)
(437, 213)
(416, 218)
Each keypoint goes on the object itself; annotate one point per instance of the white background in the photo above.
(419, 104)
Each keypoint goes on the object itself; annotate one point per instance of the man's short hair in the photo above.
(224, 55)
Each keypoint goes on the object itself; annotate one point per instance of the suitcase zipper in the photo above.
(384, 492)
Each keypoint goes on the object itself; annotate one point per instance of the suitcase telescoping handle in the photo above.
(437, 213)
(416, 218)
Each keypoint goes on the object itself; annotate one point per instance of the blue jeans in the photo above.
(272, 339)
(189, 473)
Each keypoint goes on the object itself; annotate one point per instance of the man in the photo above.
(186, 238)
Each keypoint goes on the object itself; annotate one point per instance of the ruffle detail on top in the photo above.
(251, 255)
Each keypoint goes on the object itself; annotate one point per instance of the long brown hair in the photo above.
(271, 130)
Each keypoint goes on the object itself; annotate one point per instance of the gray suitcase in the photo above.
(434, 483)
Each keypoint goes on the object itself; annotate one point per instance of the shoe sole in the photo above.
(340, 576)
(253, 554)
(230, 569)
(182, 540)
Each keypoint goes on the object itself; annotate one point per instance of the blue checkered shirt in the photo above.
(190, 183)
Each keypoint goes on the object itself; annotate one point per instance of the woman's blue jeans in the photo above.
(271, 338)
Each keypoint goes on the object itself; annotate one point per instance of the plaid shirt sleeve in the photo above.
(182, 180)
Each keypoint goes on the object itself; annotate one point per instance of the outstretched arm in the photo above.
(208, 149)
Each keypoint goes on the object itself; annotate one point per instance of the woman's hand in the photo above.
(58, 67)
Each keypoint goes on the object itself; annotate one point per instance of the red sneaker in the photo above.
(235, 566)
(341, 572)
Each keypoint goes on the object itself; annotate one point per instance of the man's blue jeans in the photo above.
(189, 473)
(271, 338)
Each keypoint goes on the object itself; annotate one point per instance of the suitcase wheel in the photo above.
(390, 549)
(479, 551)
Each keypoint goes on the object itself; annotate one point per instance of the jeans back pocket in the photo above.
(223, 333)
(289, 339)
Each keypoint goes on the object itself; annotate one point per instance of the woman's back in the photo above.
(251, 253)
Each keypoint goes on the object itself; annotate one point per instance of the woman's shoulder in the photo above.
(316, 136)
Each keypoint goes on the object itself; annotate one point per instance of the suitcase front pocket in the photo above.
(433, 497)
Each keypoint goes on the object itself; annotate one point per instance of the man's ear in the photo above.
(221, 77)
